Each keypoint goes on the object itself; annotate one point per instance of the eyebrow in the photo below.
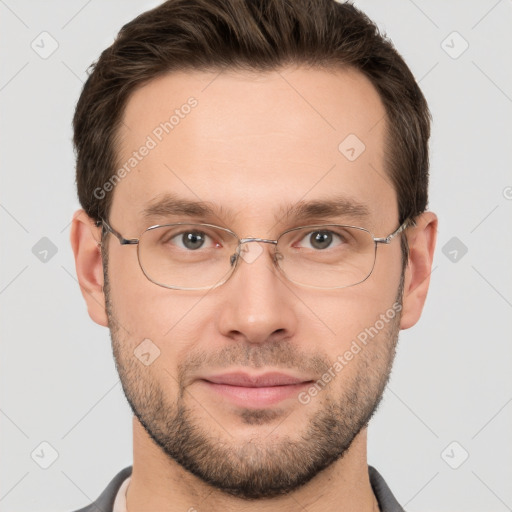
(171, 205)
(332, 207)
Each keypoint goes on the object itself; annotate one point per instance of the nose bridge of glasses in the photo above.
(264, 240)
(243, 248)
(250, 254)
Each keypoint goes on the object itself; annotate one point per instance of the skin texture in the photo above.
(254, 144)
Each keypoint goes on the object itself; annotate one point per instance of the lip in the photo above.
(255, 391)
(255, 381)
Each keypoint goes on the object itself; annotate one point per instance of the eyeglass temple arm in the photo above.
(386, 240)
(121, 238)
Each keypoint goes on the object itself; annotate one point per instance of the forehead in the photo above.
(253, 142)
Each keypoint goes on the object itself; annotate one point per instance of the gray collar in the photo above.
(105, 502)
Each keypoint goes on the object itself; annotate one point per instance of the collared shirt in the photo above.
(113, 498)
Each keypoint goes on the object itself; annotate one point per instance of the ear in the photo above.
(85, 240)
(422, 242)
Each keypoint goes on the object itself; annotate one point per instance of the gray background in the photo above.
(452, 380)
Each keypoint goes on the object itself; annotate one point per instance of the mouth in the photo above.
(255, 391)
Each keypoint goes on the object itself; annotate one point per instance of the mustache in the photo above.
(277, 354)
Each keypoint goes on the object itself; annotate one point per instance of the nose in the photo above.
(256, 304)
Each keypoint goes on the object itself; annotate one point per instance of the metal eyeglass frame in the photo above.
(235, 257)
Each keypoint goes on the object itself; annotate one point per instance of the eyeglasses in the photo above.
(188, 256)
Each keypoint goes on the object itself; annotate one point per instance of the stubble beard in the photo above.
(260, 467)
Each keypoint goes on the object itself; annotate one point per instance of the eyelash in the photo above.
(305, 236)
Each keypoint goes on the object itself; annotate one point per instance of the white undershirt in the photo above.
(120, 502)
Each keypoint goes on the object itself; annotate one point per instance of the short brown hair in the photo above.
(255, 35)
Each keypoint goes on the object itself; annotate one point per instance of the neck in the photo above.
(159, 483)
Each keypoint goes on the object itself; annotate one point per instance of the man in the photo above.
(254, 233)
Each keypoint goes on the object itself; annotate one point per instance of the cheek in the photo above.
(138, 303)
(355, 333)
(335, 318)
(360, 346)
(172, 320)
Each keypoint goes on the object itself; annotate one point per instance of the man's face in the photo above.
(254, 145)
